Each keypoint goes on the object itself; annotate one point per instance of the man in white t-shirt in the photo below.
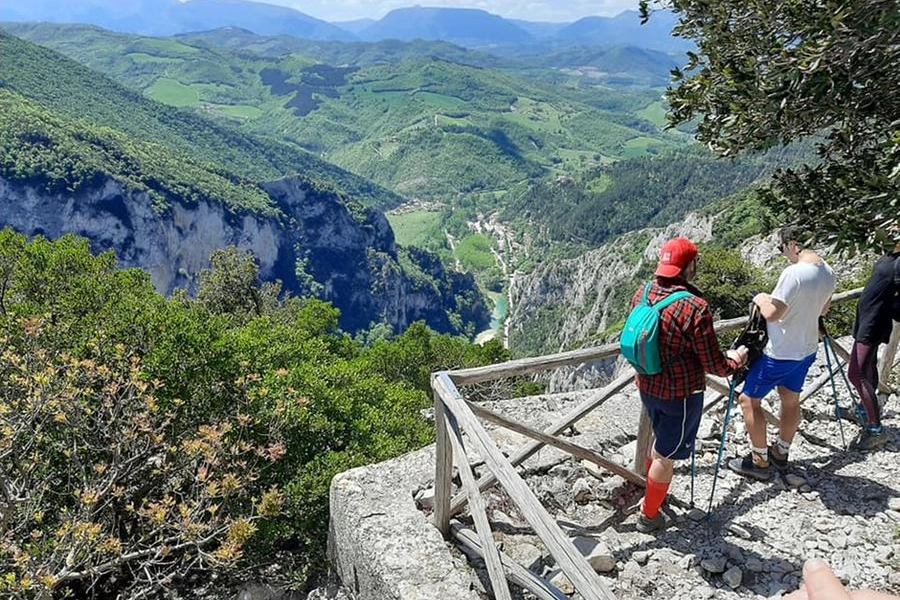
(792, 311)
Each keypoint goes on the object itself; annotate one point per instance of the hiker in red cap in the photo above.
(688, 349)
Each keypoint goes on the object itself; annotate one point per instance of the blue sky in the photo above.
(531, 10)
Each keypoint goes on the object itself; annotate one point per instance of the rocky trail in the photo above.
(839, 505)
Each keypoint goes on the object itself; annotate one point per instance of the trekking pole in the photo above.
(722, 443)
(860, 412)
(693, 469)
(850, 388)
(837, 405)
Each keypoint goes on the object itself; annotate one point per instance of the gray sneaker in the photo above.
(869, 440)
(746, 467)
(647, 525)
(778, 460)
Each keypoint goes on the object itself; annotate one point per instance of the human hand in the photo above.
(760, 298)
(821, 584)
(739, 354)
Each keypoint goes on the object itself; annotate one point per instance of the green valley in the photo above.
(76, 91)
(429, 124)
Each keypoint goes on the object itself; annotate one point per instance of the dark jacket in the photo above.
(873, 311)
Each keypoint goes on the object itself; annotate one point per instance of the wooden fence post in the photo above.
(644, 439)
(887, 361)
(443, 469)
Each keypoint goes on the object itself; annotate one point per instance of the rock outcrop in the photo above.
(563, 304)
(381, 545)
(319, 243)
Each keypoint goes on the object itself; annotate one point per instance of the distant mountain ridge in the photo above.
(469, 27)
(625, 29)
(463, 26)
(168, 17)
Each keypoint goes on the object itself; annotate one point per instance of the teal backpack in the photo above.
(639, 342)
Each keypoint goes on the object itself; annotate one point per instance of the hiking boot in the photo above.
(748, 468)
(647, 525)
(869, 440)
(779, 460)
(855, 414)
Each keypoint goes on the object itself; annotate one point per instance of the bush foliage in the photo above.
(144, 438)
(767, 73)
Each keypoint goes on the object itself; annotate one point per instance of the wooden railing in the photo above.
(454, 414)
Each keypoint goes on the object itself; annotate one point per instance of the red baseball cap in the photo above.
(675, 255)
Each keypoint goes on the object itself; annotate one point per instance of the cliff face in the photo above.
(583, 296)
(319, 245)
(571, 303)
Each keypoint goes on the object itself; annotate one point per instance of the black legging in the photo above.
(863, 373)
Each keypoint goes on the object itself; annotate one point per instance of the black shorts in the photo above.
(675, 424)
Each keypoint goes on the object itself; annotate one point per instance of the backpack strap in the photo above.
(645, 299)
(659, 306)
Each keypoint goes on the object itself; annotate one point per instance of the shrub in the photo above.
(101, 488)
(142, 438)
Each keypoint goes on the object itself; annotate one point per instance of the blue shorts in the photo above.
(767, 373)
(675, 424)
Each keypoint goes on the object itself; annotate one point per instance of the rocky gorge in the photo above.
(319, 243)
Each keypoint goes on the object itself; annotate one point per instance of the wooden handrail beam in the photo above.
(550, 440)
(572, 563)
(524, 366)
(478, 510)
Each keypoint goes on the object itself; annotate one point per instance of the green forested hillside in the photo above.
(50, 80)
(632, 194)
(429, 125)
(64, 155)
(358, 54)
(159, 439)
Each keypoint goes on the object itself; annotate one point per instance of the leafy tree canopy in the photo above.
(770, 72)
(147, 440)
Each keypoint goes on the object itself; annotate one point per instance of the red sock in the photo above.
(654, 496)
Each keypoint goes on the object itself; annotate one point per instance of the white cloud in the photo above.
(530, 10)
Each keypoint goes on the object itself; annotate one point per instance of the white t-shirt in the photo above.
(805, 288)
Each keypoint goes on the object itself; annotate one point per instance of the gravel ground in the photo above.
(831, 503)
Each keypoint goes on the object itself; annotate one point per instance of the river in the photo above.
(501, 306)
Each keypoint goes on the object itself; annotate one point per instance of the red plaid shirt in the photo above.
(687, 344)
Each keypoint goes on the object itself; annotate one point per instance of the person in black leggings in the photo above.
(872, 327)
